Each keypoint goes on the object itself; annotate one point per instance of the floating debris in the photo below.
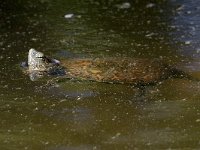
(198, 50)
(187, 42)
(150, 5)
(150, 34)
(34, 39)
(181, 7)
(124, 5)
(69, 16)
(116, 136)
(78, 98)
(188, 12)
(198, 120)
(78, 16)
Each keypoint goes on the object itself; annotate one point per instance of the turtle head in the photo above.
(39, 64)
(37, 61)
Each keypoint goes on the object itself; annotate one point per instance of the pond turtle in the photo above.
(110, 70)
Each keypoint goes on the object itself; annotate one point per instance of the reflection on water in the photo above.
(89, 115)
(186, 23)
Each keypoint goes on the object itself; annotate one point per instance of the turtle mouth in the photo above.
(49, 60)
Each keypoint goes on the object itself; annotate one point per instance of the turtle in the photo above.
(135, 71)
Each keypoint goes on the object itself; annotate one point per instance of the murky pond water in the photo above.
(88, 115)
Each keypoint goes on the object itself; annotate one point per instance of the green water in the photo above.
(74, 115)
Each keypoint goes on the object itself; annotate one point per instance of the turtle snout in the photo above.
(55, 62)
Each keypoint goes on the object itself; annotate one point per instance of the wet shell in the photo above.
(127, 70)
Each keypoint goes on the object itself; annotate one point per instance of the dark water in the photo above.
(83, 115)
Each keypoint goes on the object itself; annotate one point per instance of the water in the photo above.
(88, 115)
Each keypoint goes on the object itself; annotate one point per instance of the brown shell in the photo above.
(116, 70)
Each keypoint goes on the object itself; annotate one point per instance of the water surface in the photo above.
(88, 115)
